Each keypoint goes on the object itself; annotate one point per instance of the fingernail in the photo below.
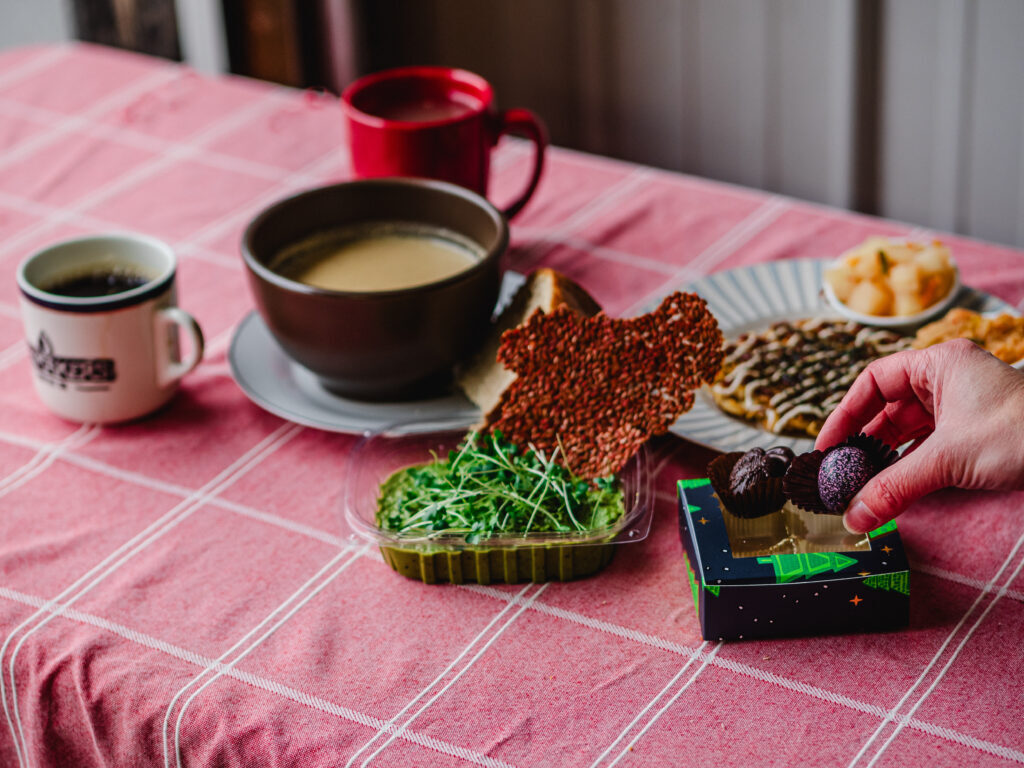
(860, 519)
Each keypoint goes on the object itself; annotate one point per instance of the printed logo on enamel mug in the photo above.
(102, 325)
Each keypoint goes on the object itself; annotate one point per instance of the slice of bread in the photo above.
(483, 378)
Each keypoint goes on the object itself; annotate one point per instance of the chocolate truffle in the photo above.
(825, 481)
(843, 472)
(749, 470)
(779, 459)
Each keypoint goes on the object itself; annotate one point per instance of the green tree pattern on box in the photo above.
(714, 589)
(882, 529)
(791, 567)
(694, 588)
(698, 482)
(890, 582)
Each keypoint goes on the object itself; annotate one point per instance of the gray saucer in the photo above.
(288, 390)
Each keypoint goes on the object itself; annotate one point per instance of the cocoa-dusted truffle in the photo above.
(843, 472)
(826, 481)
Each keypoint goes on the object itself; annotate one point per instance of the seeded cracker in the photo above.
(597, 388)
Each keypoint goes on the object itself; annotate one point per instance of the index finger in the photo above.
(886, 380)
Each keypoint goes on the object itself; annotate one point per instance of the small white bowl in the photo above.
(895, 321)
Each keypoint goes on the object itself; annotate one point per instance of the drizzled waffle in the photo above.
(791, 376)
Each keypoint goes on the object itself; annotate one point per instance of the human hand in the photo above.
(962, 409)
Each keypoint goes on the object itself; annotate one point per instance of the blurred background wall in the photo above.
(912, 109)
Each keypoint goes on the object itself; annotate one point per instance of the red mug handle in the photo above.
(524, 123)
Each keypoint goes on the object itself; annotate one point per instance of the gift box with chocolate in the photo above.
(762, 565)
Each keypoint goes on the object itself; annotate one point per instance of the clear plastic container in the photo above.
(439, 558)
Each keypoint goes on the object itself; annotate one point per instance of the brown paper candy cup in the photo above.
(800, 483)
(880, 454)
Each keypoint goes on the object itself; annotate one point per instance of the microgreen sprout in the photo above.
(487, 487)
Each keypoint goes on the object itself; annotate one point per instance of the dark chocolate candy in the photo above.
(843, 472)
(779, 459)
(749, 470)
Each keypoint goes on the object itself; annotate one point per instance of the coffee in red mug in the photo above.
(436, 123)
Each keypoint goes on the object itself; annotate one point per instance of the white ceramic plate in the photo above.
(286, 389)
(750, 298)
(276, 384)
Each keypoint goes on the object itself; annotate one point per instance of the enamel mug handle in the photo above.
(168, 320)
(525, 123)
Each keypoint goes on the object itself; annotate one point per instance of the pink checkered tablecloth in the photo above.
(182, 591)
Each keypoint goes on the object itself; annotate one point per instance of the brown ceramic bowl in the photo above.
(380, 345)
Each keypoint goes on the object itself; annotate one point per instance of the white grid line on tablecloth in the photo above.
(726, 245)
(129, 549)
(13, 354)
(757, 673)
(952, 658)
(538, 249)
(127, 136)
(938, 654)
(137, 478)
(77, 439)
(679, 179)
(44, 456)
(967, 581)
(607, 253)
(172, 489)
(401, 729)
(126, 475)
(219, 661)
(572, 616)
(62, 125)
(290, 183)
(144, 170)
(632, 723)
(87, 221)
(510, 151)
(389, 726)
(256, 681)
(252, 646)
(189, 246)
(306, 699)
(46, 57)
(707, 660)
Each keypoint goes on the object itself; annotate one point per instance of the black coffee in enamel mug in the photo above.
(104, 282)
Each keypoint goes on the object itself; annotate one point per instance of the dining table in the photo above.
(185, 590)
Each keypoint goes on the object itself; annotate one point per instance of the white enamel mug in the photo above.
(108, 358)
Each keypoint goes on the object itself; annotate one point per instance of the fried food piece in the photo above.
(1003, 335)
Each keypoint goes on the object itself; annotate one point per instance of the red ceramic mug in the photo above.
(436, 123)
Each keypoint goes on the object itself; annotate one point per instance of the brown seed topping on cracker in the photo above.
(597, 388)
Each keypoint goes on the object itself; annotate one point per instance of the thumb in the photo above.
(892, 490)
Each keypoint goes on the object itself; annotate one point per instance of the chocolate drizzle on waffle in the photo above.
(791, 376)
